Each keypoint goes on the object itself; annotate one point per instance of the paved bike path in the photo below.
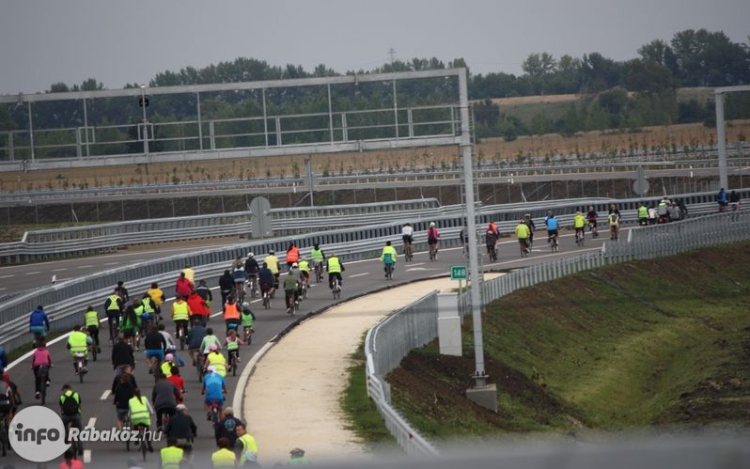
(301, 406)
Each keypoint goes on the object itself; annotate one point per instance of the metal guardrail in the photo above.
(391, 340)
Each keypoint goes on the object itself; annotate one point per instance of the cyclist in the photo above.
(251, 269)
(291, 291)
(140, 414)
(490, 237)
(530, 224)
(172, 456)
(334, 268)
(614, 222)
(164, 397)
(93, 324)
(210, 340)
(181, 426)
(652, 214)
(523, 233)
(130, 326)
(388, 257)
(592, 216)
(217, 360)
(227, 427)
(113, 306)
(240, 277)
(318, 257)
(122, 354)
(407, 235)
(149, 313)
(155, 345)
(245, 447)
(232, 343)
(41, 358)
(214, 389)
(433, 238)
(122, 391)
(226, 285)
(247, 319)
(199, 309)
(304, 272)
(662, 210)
(205, 292)
(579, 223)
(722, 199)
(551, 223)
(183, 287)
(292, 255)
(7, 400)
(223, 457)
(180, 315)
(39, 322)
(195, 338)
(70, 412)
(157, 296)
(166, 366)
(79, 343)
(642, 214)
(273, 264)
(266, 280)
(139, 310)
(734, 200)
(231, 314)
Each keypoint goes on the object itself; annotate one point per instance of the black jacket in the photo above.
(226, 282)
(181, 426)
(122, 354)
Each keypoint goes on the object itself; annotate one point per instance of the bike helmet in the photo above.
(250, 254)
(169, 357)
(246, 305)
(271, 252)
(295, 265)
(432, 224)
(171, 348)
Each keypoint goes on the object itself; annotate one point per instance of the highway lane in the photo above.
(360, 278)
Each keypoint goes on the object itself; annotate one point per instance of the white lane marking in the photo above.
(30, 273)
(60, 270)
(105, 395)
(359, 275)
(111, 263)
(419, 269)
(414, 265)
(85, 266)
(87, 456)
(2, 288)
(92, 422)
(6, 276)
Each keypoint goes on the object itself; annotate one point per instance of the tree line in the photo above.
(625, 95)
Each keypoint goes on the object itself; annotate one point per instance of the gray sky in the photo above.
(48, 41)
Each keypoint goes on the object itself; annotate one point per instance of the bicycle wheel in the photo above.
(143, 442)
(233, 364)
(3, 438)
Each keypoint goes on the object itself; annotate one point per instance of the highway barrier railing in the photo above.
(390, 341)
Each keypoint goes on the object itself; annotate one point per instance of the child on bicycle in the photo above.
(388, 257)
(247, 319)
(232, 343)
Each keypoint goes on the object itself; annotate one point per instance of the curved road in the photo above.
(360, 278)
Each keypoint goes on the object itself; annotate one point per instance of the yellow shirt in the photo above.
(273, 263)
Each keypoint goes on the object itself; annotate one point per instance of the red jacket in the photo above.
(198, 305)
(183, 287)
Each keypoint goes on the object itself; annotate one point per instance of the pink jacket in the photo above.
(41, 357)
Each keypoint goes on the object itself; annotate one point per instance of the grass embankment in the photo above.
(659, 343)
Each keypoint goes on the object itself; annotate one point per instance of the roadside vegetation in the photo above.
(661, 344)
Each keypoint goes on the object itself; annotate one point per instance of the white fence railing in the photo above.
(415, 325)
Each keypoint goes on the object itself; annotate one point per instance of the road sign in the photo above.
(640, 186)
(261, 218)
(458, 272)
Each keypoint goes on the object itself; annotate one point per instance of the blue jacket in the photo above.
(551, 223)
(3, 359)
(39, 318)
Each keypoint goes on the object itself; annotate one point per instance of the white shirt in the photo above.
(407, 231)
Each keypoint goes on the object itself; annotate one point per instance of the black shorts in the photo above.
(432, 241)
(551, 233)
(408, 239)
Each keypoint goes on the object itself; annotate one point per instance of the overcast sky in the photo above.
(48, 41)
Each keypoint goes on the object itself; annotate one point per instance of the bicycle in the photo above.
(240, 292)
(80, 363)
(126, 431)
(580, 237)
(553, 243)
(215, 414)
(408, 252)
(492, 252)
(141, 440)
(292, 303)
(199, 365)
(318, 272)
(181, 336)
(303, 293)
(252, 285)
(336, 290)
(389, 270)
(433, 252)
(41, 375)
(248, 334)
(114, 327)
(4, 436)
(232, 362)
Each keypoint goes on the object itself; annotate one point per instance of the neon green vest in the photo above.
(139, 411)
(248, 444)
(171, 456)
(78, 342)
(92, 318)
(316, 255)
(180, 311)
(223, 458)
(334, 266)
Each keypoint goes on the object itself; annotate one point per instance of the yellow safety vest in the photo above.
(92, 318)
(171, 457)
(248, 444)
(114, 303)
(522, 231)
(579, 221)
(218, 361)
(304, 266)
(139, 411)
(642, 212)
(180, 311)
(317, 255)
(166, 369)
(148, 305)
(334, 266)
(223, 458)
(78, 342)
(139, 311)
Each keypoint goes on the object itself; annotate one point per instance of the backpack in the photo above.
(70, 405)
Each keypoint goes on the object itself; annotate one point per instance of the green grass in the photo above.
(652, 343)
(28, 347)
(362, 415)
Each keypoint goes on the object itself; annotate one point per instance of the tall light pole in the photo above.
(145, 121)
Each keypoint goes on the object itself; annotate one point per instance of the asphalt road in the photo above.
(360, 278)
